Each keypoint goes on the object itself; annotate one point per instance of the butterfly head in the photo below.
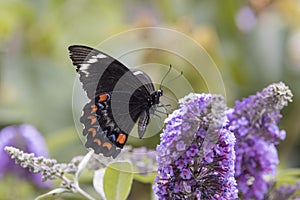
(155, 97)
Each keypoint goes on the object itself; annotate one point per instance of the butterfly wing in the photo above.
(143, 122)
(144, 115)
(92, 65)
(117, 95)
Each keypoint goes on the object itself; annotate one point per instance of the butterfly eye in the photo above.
(159, 93)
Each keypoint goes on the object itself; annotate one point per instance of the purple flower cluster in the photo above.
(196, 155)
(27, 138)
(285, 192)
(254, 122)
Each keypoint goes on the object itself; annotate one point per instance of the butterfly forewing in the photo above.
(118, 97)
(92, 65)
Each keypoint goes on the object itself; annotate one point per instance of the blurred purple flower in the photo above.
(143, 159)
(28, 139)
(245, 19)
(196, 155)
(284, 192)
(254, 122)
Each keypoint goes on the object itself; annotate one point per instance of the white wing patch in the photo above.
(100, 56)
(83, 68)
(137, 73)
(92, 60)
(95, 58)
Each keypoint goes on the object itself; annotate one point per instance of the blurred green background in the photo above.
(253, 43)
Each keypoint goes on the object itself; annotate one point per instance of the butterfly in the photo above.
(119, 97)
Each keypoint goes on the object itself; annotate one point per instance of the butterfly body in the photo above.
(118, 99)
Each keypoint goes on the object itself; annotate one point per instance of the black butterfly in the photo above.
(118, 98)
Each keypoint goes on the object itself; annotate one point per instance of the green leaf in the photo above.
(289, 172)
(49, 195)
(117, 180)
(149, 178)
(287, 176)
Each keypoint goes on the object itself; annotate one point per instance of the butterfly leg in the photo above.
(156, 115)
(158, 111)
(164, 106)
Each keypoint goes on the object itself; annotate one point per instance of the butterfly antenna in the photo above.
(176, 77)
(181, 73)
(165, 76)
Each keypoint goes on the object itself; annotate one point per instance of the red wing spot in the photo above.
(107, 144)
(121, 138)
(96, 140)
(94, 108)
(103, 97)
(93, 119)
(93, 131)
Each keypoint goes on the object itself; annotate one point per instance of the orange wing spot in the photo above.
(96, 140)
(107, 144)
(103, 97)
(93, 131)
(121, 138)
(94, 108)
(93, 119)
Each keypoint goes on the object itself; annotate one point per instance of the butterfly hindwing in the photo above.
(101, 131)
